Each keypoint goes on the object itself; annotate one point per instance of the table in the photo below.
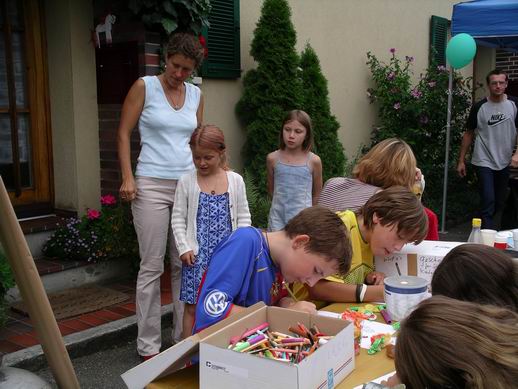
(367, 367)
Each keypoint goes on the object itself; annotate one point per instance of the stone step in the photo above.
(70, 274)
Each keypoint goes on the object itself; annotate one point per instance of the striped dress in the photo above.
(342, 193)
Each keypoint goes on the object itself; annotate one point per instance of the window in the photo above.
(224, 60)
(438, 39)
(24, 129)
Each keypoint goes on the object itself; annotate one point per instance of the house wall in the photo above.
(73, 104)
(485, 61)
(508, 62)
(341, 32)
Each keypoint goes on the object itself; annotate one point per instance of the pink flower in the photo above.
(397, 105)
(409, 59)
(93, 214)
(108, 200)
(416, 94)
(392, 50)
(431, 84)
(204, 44)
(441, 68)
(391, 76)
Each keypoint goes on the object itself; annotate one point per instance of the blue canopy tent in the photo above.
(493, 23)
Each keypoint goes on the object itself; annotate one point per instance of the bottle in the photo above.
(500, 241)
(476, 235)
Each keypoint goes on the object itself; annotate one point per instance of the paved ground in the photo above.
(102, 368)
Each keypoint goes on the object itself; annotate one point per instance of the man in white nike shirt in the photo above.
(492, 122)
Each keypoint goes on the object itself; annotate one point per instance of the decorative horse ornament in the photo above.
(105, 27)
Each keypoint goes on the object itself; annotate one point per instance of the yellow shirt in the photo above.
(362, 261)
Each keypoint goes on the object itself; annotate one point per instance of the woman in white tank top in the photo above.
(166, 111)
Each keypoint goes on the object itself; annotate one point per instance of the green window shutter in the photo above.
(438, 39)
(224, 59)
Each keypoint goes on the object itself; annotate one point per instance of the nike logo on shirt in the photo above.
(496, 118)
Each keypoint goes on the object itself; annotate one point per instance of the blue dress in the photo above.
(213, 223)
(292, 192)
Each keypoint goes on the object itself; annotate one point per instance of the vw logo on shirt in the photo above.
(215, 303)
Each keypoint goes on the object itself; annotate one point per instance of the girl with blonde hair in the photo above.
(390, 162)
(210, 202)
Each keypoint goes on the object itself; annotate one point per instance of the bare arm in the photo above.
(317, 178)
(304, 306)
(236, 309)
(337, 292)
(467, 139)
(270, 163)
(131, 110)
(514, 158)
(199, 112)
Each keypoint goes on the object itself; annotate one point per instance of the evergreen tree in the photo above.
(325, 125)
(270, 90)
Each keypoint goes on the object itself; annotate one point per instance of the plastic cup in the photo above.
(515, 238)
(488, 237)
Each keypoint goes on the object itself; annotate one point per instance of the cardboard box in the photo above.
(223, 368)
(416, 260)
(325, 368)
(176, 357)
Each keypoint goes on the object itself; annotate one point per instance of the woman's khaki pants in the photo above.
(152, 218)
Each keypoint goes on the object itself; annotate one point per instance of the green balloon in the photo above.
(460, 50)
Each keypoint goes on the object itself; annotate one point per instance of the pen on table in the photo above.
(386, 316)
(398, 270)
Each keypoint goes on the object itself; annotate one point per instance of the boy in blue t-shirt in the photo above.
(251, 265)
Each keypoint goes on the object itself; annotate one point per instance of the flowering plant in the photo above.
(415, 111)
(99, 235)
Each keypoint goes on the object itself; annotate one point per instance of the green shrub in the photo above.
(270, 90)
(6, 282)
(325, 125)
(97, 236)
(172, 15)
(417, 114)
(258, 203)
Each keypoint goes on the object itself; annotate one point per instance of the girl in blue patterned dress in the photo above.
(210, 202)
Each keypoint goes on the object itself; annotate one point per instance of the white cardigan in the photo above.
(183, 220)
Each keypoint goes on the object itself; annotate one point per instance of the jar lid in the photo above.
(406, 284)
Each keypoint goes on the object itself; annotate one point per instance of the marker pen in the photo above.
(386, 316)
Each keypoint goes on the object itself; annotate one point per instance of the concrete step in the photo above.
(77, 274)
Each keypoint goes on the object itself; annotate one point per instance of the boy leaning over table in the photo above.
(251, 265)
(390, 219)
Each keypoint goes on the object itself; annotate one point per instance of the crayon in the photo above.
(290, 292)
(386, 316)
(297, 331)
(293, 340)
(256, 339)
(260, 327)
(240, 346)
(252, 346)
